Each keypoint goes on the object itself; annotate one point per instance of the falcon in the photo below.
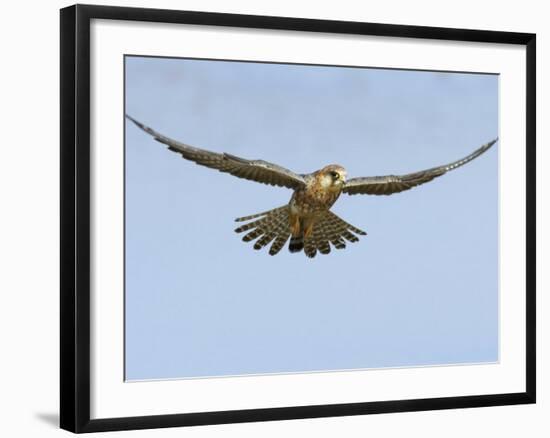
(307, 218)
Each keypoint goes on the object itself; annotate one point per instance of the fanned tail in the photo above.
(270, 226)
(330, 229)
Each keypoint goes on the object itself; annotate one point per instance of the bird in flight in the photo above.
(307, 218)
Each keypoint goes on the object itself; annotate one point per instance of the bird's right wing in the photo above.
(254, 170)
(389, 184)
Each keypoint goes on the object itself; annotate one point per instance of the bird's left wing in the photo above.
(389, 184)
(254, 170)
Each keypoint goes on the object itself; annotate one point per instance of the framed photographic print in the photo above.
(382, 178)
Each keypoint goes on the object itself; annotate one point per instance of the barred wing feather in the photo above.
(389, 184)
(253, 170)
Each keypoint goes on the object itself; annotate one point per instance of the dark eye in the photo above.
(334, 174)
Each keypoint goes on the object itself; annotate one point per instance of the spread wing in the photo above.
(254, 170)
(389, 184)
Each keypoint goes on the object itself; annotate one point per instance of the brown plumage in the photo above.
(274, 227)
(306, 219)
(269, 226)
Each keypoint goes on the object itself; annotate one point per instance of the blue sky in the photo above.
(420, 289)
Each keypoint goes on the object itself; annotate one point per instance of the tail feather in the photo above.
(278, 244)
(310, 245)
(333, 229)
(263, 213)
(350, 237)
(270, 226)
(247, 226)
(278, 227)
(255, 233)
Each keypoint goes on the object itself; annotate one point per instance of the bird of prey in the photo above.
(307, 218)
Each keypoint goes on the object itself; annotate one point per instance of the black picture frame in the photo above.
(75, 217)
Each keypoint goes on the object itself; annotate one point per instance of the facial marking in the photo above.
(337, 175)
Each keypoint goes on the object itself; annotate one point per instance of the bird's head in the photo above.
(332, 176)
